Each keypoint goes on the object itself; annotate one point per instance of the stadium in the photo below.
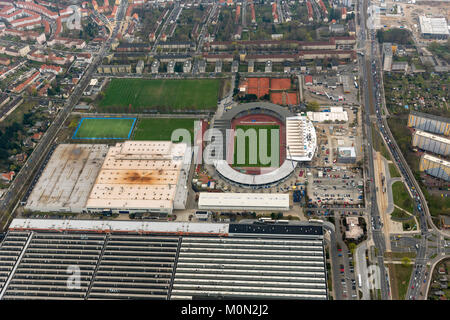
(161, 260)
(297, 143)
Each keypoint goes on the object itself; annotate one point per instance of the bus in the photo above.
(359, 280)
(315, 221)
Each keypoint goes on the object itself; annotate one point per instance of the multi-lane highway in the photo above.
(372, 74)
(377, 233)
(11, 197)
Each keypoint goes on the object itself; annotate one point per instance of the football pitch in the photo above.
(161, 128)
(141, 95)
(248, 161)
(104, 128)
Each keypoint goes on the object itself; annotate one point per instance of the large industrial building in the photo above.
(436, 28)
(243, 201)
(297, 143)
(161, 260)
(67, 179)
(430, 142)
(300, 138)
(132, 176)
(429, 123)
(435, 167)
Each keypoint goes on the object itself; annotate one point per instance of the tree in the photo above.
(406, 261)
(312, 106)
(352, 247)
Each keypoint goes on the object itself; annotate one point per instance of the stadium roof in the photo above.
(209, 200)
(300, 138)
(234, 112)
(139, 175)
(119, 226)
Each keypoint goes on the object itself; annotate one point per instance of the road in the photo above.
(367, 91)
(49, 138)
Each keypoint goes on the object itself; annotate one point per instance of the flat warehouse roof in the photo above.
(243, 200)
(275, 229)
(118, 226)
(435, 159)
(139, 175)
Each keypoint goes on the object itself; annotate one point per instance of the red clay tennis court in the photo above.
(280, 83)
(284, 98)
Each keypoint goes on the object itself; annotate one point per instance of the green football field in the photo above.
(247, 146)
(104, 128)
(161, 128)
(163, 95)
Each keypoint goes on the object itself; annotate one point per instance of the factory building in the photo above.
(301, 141)
(162, 260)
(142, 176)
(429, 123)
(435, 167)
(243, 201)
(435, 28)
(201, 66)
(430, 142)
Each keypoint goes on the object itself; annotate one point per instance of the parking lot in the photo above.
(348, 283)
(336, 186)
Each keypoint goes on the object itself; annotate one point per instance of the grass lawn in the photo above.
(397, 213)
(161, 129)
(401, 196)
(162, 95)
(378, 143)
(393, 170)
(247, 146)
(400, 276)
(104, 128)
(400, 255)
